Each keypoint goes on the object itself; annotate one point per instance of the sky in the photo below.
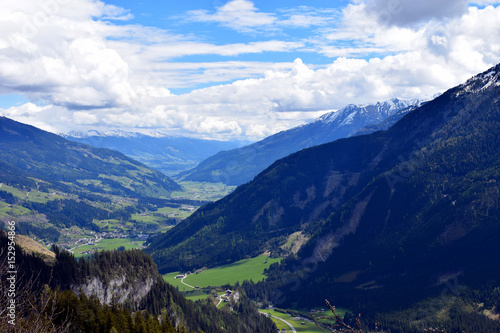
(231, 69)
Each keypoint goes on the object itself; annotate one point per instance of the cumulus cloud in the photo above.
(56, 52)
(68, 54)
(85, 118)
(39, 116)
(433, 58)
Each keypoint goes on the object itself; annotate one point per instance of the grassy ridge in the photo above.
(33, 247)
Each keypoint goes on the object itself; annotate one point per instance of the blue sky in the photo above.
(176, 18)
(231, 69)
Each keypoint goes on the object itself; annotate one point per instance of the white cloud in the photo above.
(215, 125)
(57, 53)
(434, 58)
(66, 54)
(306, 16)
(244, 17)
(38, 116)
(241, 15)
(85, 118)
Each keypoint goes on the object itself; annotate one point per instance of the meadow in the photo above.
(202, 191)
(300, 324)
(109, 244)
(247, 269)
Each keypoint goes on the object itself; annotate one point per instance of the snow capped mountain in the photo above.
(481, 81)
(108, 133)
(240, 165)
(378, 111)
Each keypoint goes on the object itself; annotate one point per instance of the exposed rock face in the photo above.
(118, 288)
(124, 278)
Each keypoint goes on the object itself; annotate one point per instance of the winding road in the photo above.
(220, 301)
(283, 320)
(184, 283)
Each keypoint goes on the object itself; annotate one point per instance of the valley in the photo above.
(167, 154)
(208, 283)
(128, 231)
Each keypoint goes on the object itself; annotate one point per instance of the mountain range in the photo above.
(30, 155)
(383, 220)
(240, 165)
(167, 154)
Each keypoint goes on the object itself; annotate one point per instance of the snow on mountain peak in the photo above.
(113, 133)
(481, 81)
(347, 114)
(108, 133)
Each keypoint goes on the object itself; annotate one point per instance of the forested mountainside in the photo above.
(389, 218)
(35, 158)
(112, 292)
(449, 142)
(241, 165)
(170, 155)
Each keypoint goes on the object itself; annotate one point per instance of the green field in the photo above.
(31, 195)
(195, 295)
(247, 269)
(203, 191)
(12, 210)
(178, 213)
(307, 327)
(328, 313)
(112, 225)
(109, 244)
(147, 218)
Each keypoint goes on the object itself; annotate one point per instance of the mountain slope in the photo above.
(169, 155)
(28, 153)
(432, 219)
(87, 292)
(240, 165)
(377, 207)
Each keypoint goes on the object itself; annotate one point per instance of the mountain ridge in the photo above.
(28, 152)
(240, 165)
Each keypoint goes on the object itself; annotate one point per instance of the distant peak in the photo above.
(389, 106)
(109, 133)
